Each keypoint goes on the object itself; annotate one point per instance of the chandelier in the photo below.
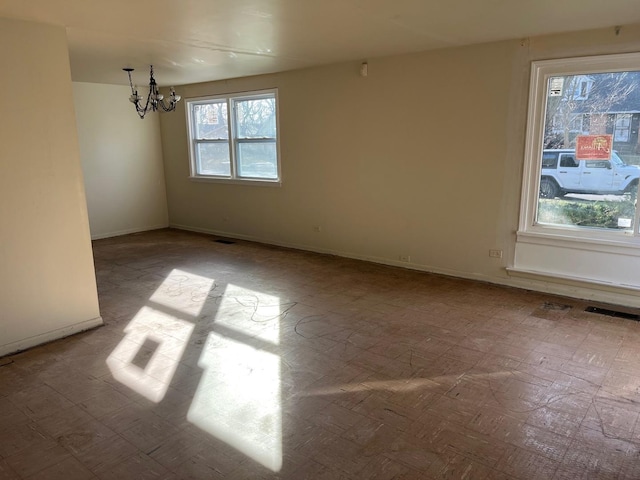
(155, 100)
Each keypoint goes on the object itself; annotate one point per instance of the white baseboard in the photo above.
(129, 231)
(25, 343)
(337, 253)
(583, 290)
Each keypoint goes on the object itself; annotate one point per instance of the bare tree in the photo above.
(592, 96)
(256, 117)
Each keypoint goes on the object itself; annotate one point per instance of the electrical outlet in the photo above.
(405, 258)
(495, 253)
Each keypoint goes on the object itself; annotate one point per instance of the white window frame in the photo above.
(541, 71)
(598, 258)
(233, 139)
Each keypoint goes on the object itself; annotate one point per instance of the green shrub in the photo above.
(601, 214)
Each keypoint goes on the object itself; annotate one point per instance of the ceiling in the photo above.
(191, 41)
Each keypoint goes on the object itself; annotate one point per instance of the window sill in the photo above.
(562, 255)
(572, 279)
(236, 181)
(623, 243)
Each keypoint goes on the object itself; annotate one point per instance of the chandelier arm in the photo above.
(168, 108)
(142, 111)
(129, 70)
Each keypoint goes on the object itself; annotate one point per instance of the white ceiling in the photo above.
(191, 41)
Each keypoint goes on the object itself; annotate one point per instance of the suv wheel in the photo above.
(548, 188)
(632, 190)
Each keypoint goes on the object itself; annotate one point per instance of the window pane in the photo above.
(211, 122)
(257, 160)
(213, 159)
(256, 118)
(595, 182)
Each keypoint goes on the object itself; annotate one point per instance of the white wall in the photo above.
(423, 158)
(121, 160)
(47, 280)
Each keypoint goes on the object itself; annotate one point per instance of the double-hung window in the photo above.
(235, 137)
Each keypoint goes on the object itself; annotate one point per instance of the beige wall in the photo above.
(121, 160)
(407, 161)
(423, 158)
(47, 281)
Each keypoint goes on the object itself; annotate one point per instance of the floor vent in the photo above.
(226, 242)
(612, 313)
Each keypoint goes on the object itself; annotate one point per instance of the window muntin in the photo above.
(234, 138)
(596, 197)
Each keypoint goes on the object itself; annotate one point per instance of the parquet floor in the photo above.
(245, 361)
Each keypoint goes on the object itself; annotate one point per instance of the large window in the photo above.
(583, 151)
(235, 137)
(579, 219)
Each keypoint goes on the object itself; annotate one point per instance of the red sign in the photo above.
(594, 147)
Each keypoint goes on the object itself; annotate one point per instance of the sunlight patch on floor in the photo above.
(170, 336)
(165, 335)
(238, 399)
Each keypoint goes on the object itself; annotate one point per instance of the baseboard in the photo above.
(128, 231)
(25, 343)
(611, 294)
(338, 253)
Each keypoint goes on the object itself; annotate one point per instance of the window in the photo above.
(549, 160)
(234, 137)
(583, 89)
(589, 191)
(569, 161)
(578, 217)
(623, 128)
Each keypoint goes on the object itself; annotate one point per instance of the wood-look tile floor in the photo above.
(244, 361)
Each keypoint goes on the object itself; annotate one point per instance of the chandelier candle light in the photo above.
(155, 100)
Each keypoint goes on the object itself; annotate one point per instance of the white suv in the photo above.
(562, 174)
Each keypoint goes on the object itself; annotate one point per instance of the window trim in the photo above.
(541, 71)
(233, 141)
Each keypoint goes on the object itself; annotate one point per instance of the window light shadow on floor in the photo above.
(237, 399)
